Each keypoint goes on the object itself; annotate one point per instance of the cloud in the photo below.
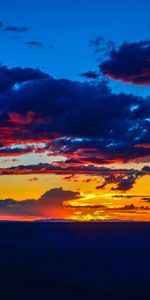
(16, 29)
(33, 179)
(55, 203)
(101, 46)
(64, 169)
(84, 122)
(37, 44)
(103, 212)
(129, 63)
(56, 197)
(11, 78)
(90, 75)
(132, 207)
(86, 207)
(50, 46)
(128, 196)
(46, 206)
(126, 183)
(147, 199)
(122, 182)
(123, 179)
(9, 160)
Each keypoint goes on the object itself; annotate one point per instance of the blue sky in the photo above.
(69, 26)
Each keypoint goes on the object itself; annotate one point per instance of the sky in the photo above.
(74, 110)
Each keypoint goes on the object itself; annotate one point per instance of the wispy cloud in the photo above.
(16, 29)
(90, 75)
(37, 44)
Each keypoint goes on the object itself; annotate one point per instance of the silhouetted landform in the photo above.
(56, 221)
(73, 261)
(72, 221)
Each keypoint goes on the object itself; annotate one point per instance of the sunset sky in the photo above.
(75, 110)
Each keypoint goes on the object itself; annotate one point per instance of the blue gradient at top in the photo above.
(68, 26)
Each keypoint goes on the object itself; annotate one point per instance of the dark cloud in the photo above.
(146, 169)
(129, 63)
(85, 122)
(52, 202)
(98, 151)
(125, 208)
(90, 75)
(9, 78)
(43, 207)
(64, 168)
(123, 182)
(37, 44)
(56, 197)
(123, 179)
(87, 180)
(16, 151)
(128, 207)
(132, 207)
(85, 207)
(33, 179)
(147, 199)
(69, 178)
(126, 183)
(128, 196)
(16, 29)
